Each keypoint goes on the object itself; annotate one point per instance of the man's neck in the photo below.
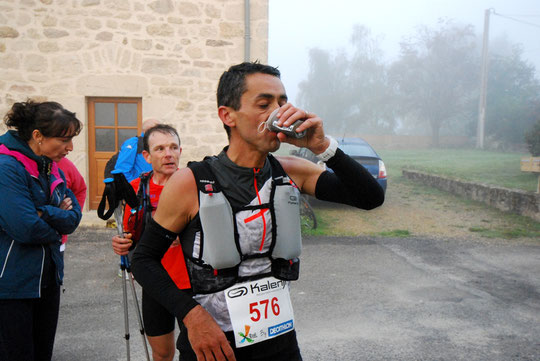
(246, 156)
(160, 179)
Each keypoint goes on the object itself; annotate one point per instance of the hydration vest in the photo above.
(214, 252)
(140, 217)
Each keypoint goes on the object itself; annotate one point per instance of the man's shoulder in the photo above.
(181, 187)
(182, 179)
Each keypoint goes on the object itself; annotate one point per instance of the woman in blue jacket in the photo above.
(36, 209)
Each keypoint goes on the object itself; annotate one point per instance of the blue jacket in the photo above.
(131, 163)
(29, 183)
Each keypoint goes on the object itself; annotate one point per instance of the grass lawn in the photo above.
(480, 166)
(412, 209)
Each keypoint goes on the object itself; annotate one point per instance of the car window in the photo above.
(358, 150)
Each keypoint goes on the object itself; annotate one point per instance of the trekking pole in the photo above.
(119, 216)
(126, 277)
(136, 303)
(116, 191)
(125, 303)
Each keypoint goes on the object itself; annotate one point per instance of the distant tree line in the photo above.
(431, 88)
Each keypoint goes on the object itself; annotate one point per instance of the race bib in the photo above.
(259, 310)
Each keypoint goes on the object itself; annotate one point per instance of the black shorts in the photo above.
(157, 320)
(280, 348)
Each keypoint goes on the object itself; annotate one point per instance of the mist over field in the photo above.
(413, 71)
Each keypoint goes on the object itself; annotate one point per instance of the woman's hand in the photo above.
(66, 204)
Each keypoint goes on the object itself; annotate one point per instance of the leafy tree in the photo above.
(513, 96)
(370, 96)
(434, 85)
(325, 90)
(349, 92)
(436, 75)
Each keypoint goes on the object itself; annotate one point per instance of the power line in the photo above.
(525, 15)
(517, 20)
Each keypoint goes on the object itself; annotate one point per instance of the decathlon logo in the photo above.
(281, 328)
(237, 292)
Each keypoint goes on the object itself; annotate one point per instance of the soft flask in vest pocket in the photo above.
(288, 234)
(218, 245)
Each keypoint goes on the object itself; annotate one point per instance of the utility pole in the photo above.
(483, 83)
(247, 31)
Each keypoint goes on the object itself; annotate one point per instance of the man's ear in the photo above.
(146, 156)
(227, 115)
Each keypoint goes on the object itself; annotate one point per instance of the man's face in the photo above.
(164, 153)
(264, 94)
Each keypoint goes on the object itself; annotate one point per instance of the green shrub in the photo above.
(532, 138)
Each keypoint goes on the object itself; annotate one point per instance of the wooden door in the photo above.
(110, 122)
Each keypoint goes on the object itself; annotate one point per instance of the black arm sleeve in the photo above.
(149, 272)
(350, 183)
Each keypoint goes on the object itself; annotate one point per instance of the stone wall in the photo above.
(170, 53)
(510, 200)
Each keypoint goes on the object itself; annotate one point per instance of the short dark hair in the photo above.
(50, 118)
(232, 83)
(161, 128)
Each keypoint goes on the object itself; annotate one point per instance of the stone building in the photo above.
(118, 62)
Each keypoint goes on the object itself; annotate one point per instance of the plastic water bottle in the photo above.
(219, 247)
(289, 236)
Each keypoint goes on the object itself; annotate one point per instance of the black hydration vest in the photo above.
(214, 261)
(139, 217)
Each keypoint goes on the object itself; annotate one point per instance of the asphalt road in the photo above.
(357, 299)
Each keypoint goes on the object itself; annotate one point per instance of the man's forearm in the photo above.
(350, 183)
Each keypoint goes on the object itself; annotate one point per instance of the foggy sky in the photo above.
(295, 26)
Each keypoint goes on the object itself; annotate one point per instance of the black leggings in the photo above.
(28, 326)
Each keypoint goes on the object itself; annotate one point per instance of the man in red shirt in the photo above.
(162, 150)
